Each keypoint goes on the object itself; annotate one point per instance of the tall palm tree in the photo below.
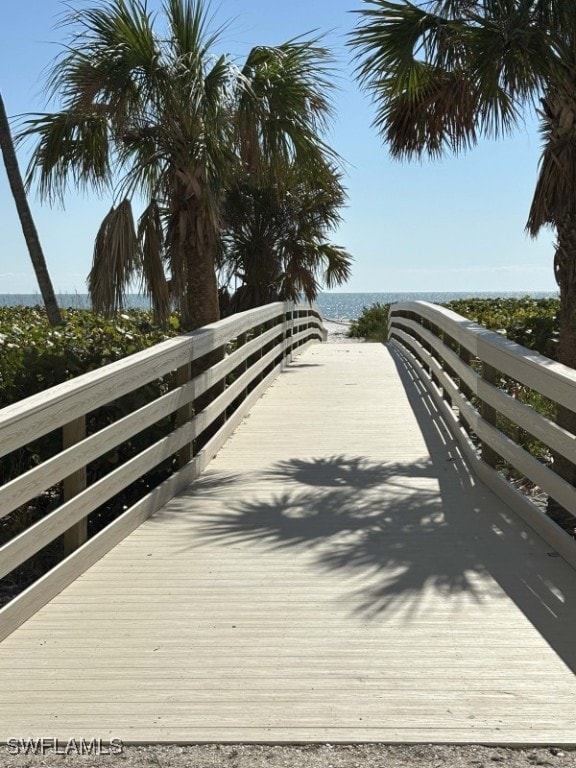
(161, 117)
(446, 72)
(145, 116)
(26, 220)
(288, 191)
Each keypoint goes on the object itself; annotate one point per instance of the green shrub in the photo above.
(372, 324)
(35, 356)
(534, 323)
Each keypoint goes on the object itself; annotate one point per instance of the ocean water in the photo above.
(348, 306)
(334, 306)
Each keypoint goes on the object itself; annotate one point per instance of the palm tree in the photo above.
(145, 116)
(274, 240)
(168, 120)
(446, 72)
(26, 221)
(288, 191)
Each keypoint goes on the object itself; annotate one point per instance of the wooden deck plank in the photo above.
(335, 575)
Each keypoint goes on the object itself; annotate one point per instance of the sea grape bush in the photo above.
(534, 323)
(372, 323)
(35, 356)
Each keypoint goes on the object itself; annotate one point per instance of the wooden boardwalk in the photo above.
(335, 575)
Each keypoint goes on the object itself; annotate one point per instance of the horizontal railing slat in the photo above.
(38, 594)
(48, 528)
(529, 466)
(463, 331)
(416, 327)
(553, 380)
(523, 505)
(527, 418)
(549, 378)
(45, 475)
(38, 415)
(203, 419)
(524, 416)
(468, 376)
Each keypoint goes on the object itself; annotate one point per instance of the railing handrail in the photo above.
(36, 415)
(441, 345)
(526, 365)
(278, 330)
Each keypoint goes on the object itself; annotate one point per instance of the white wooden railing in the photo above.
(254, 346)
(460, 364)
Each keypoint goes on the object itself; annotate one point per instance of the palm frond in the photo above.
(73, 148)
(506, 50)
(396, 37)
(192, 28)
(338, 264)
(153, 279)
(112, 57)
(116, 260)
(284, 104)
(445, 73)
(554, 200)
(435, 116)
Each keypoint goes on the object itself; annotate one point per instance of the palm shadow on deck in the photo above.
(409, 525)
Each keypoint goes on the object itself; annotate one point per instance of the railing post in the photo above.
(278, 345)
(284, 353)
(184, 415)
(436, 332)
(73, 433)
(489, 415)
(300, 315)
(448, 341)
(289, 331)
(466, 357)
(262, 328)
(428, 326)
(240, 341)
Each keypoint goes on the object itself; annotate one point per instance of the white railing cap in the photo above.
(552, 379)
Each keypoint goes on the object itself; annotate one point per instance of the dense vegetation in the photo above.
(372, 324)
(35, 356)
(531, 322)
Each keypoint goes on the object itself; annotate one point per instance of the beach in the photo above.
(338, 332)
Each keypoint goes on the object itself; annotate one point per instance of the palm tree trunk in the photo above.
(26, 221)
(201, 302)
(565, 272)
(200, 306)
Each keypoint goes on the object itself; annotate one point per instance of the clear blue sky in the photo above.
(454, 225)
